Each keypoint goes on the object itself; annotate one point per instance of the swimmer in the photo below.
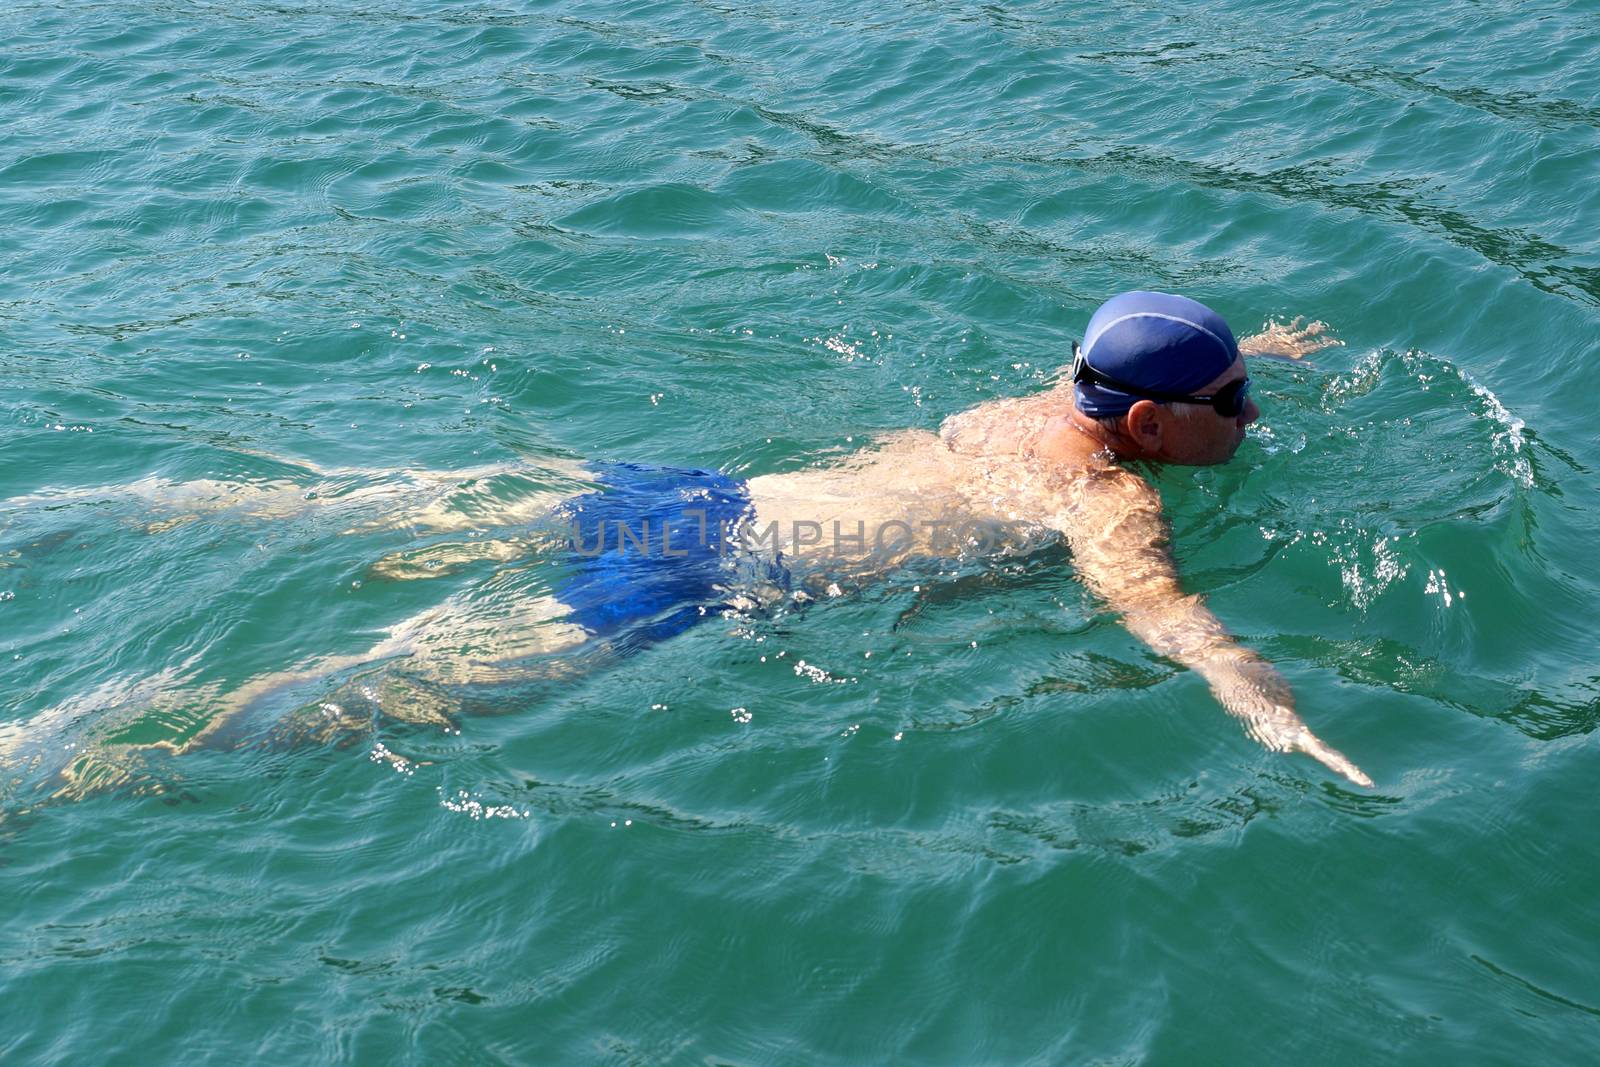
(652, 550)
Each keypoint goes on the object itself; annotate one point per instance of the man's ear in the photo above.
(1145, 424)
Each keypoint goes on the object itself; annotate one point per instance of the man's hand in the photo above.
(1252, 690)
(1289, 340)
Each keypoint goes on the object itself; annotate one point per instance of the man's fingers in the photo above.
(1333, 759)
(1317, 329)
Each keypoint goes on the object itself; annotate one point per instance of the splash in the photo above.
(1431, 373)
(1507, 441)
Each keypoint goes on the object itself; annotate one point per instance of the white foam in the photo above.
(1508, 440)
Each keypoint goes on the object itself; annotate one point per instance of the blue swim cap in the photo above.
(1156, 341)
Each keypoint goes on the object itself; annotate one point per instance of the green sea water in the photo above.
(291, 250)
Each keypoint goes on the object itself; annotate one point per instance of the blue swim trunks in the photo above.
(652, 551)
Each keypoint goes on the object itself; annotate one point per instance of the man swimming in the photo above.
(644, 552)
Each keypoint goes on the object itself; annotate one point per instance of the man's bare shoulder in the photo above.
(1088, 492)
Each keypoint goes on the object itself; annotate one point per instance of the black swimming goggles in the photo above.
(1228, 401)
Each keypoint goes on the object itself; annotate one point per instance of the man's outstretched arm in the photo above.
(1112, 519)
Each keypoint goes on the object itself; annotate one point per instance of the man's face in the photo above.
(1201, 437)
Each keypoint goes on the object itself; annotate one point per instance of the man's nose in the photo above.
(1250, 413)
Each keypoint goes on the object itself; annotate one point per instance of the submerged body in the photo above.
(994, 479)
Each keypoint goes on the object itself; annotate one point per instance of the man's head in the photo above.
(1163, 374)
